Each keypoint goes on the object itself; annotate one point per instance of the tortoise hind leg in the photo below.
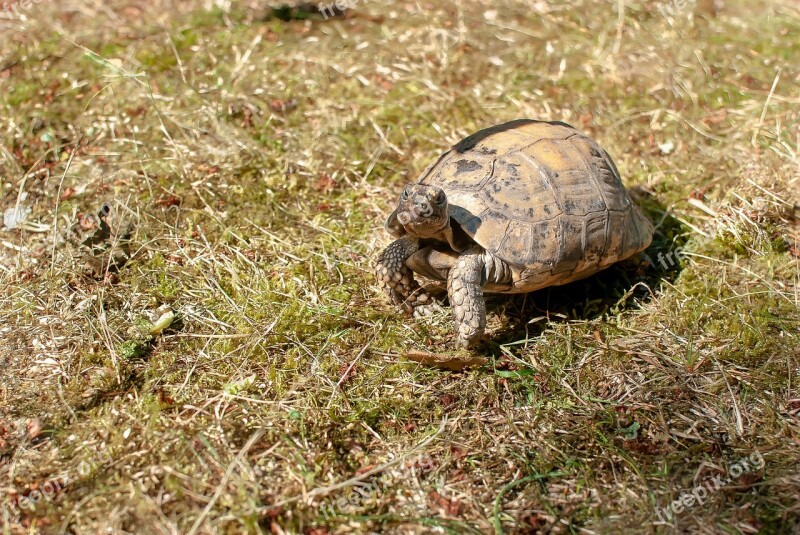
(397, 280)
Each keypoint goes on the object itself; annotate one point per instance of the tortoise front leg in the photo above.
(397, 280)
(474, 268)
(465, 290)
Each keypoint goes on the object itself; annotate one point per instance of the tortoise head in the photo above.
(421, 211)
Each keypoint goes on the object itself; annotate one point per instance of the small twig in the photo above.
(768, 192)
(736, 411)
(620, 26)
(58, 201)
(764, 109)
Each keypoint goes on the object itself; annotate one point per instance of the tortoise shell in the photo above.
(544, 198)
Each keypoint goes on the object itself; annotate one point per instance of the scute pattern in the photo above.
(594, 240)
(520, 190)
(567, 171)
(542, 197)
(529, 244)
(468, 172)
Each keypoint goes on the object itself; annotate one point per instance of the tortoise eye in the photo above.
(404, 195)
(441, 198)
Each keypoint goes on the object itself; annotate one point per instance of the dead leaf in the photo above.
(346, 371)
(86, 221)
(383, 83)
(715, 118)
(447, 400)
(35, 428)
(450, 507)
(325, 183)
(445, 361)
(364, 469)
(168, 200)
(278, 105)
(697, 194)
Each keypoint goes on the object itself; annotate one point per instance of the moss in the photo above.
(132, 349)
(22, 93)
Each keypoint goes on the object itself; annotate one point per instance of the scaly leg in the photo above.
(465, 290)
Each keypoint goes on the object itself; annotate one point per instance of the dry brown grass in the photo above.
(253, 161)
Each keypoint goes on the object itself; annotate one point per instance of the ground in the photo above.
(191, 337)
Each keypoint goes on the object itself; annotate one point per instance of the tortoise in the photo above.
(513, 208)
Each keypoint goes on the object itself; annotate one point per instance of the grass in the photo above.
(254, 160)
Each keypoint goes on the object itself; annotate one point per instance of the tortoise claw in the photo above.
(431, 309)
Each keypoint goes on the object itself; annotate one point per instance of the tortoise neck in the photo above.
(455, 238)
